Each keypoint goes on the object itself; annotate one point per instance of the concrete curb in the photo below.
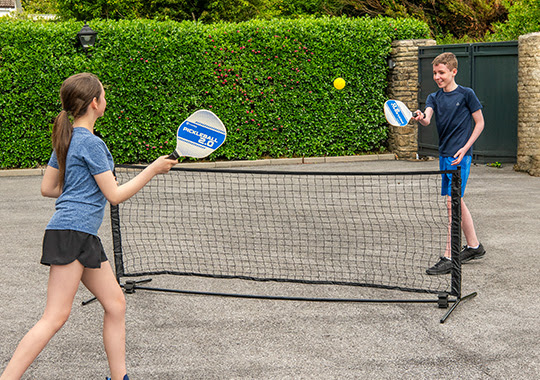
(21, 172)
(243, 163)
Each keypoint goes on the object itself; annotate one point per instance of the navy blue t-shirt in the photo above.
(453, 114)
(81, 205)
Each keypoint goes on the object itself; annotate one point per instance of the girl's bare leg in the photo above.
(62, 287)
(102, 283)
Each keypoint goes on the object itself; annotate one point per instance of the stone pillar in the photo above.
(528, 150)
(403, 85)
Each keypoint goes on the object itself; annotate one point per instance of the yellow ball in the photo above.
(339, 83)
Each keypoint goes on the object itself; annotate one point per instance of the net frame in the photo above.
(454, 287)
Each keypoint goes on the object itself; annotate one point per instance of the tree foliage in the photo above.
(458, 18)
(523, 18)
(450, 20)
(207, 11)
(39, 6)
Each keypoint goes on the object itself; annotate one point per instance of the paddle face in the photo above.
(199, 135)
(397, 113)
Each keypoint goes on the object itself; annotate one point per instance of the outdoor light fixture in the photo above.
(87, 37)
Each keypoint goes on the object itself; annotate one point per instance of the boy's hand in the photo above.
(418, 115)
(423, 118)
(459, 155)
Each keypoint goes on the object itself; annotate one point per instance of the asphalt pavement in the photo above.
(495, 335)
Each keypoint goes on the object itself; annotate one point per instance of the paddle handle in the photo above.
(174, 156)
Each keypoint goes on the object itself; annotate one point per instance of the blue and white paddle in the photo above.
(397, 113)
(199, 135)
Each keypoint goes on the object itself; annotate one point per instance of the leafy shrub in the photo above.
(269, 81)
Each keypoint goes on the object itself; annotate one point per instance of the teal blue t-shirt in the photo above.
(81, 205)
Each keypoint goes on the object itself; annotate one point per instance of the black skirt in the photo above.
(61, 247)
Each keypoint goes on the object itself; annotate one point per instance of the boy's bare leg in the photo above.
(448, 249)
(443, 266)
(468, 226)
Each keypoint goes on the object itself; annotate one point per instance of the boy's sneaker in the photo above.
(443, 266)
(468, 253)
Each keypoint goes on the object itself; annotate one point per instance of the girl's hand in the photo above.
(163, 164)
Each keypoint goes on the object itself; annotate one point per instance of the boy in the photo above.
(454, 107)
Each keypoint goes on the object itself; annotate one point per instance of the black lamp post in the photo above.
(87, 37)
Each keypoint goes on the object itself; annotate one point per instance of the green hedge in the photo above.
(269, 81)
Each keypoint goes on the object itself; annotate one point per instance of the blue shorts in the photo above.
(445, 163)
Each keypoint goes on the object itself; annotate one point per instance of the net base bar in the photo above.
(442, 301)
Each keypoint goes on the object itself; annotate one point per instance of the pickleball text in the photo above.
(204, 139)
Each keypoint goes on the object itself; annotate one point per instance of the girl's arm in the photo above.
(50, 184)
(117, 194)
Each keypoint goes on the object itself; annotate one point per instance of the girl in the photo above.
(80, 175)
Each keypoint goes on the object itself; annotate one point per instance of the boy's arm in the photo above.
(478, 118)
(424, 118)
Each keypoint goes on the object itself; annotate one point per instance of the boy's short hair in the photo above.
(448, 59)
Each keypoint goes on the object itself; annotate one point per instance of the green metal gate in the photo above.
(491, 70)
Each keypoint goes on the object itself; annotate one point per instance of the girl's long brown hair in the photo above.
(76, 94)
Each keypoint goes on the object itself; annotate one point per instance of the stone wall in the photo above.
(528, 150)
(403, 85)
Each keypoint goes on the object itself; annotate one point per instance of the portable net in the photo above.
(365, 229)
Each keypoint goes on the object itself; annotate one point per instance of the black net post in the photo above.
(117, 242)
(455, 232)
(117, 239)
